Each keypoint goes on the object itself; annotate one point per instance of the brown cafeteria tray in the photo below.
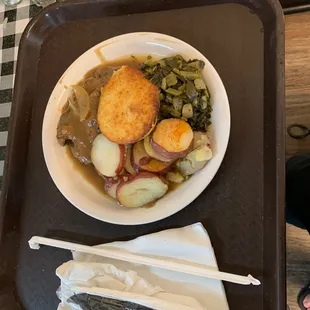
(242, 208)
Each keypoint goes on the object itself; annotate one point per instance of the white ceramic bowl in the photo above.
(81, 193)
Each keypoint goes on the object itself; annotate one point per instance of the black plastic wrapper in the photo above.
(92, 302)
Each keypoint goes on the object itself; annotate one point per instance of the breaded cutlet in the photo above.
(128, 106)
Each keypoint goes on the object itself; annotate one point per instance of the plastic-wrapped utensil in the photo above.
(90, 302)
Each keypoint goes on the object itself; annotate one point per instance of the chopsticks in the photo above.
(34, 243)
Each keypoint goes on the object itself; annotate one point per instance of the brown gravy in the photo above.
(89, 172)
(133, 61)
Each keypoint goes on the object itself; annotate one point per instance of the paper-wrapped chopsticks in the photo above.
(201, 271)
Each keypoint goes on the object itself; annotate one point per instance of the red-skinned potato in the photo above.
(128, 163)
(139, 156)
(143, 162)
(107, 157)
(175, 177)
(170, 156)
(172, 138)
(149, 149)
(200, 139)
(198, 158)
(156, 166)
(112, 183)
(140, 189)
(195, 160)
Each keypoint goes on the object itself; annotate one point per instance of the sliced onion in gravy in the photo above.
(79, 101)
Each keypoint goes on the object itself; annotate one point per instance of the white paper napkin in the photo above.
(188, 244)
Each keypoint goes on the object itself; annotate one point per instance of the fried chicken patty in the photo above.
(128, 106)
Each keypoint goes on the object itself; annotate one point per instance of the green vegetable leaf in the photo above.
(199, 84)
(190, 90)
(187, 110)
(177, 103)
(198, 64)
(173, 91)
(164, 84)
(190, 75)
(183, 92)
(171, 79)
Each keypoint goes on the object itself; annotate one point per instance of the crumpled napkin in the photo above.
(152, 287)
